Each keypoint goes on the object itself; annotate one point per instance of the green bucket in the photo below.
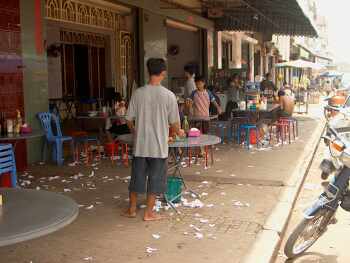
(174, 189)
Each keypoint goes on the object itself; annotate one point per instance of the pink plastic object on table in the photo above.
(194, 132)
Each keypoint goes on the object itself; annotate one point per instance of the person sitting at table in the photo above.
(201, 103)
(190, 86)
(268, 88)
(212, 109)
(235, 91)
(152, 109)
(286, 103)
(119, 126)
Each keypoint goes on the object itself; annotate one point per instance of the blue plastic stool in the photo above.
(247, 128)
(54, 138)
(8, 162)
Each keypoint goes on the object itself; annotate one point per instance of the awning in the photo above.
(332, 74)
(300, 64)
(281, 17)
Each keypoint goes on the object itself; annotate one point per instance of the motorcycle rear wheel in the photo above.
(307, 233)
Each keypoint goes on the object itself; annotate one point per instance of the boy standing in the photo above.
(202, 98)
(151, 110)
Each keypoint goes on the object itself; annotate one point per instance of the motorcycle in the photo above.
(337, 193)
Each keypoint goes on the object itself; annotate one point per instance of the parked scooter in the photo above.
(337, 167)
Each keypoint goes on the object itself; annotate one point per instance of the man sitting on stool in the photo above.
(286, 103)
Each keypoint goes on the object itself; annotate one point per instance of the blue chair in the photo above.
(8, 162)
(247, 128)
(55, 139)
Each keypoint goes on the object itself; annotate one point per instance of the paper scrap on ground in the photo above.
(66, 190)
(309, 186)
(89, 207)
(210, 205)
(88, 258)
(150, 250)
(203, 220)
(194, 204)
(198, 235)
(72, 164)
(156, 236)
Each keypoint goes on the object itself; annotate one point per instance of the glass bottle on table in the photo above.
(18, 124)
(185, 125)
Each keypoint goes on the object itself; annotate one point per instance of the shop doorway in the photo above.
(184, 47)
(83, 71)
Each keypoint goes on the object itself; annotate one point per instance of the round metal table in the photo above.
(188, 142)
(204, 140)
(15, 138)
(25, 136)
(28, 214)
(106, 120)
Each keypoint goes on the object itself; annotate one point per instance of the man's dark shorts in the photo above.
(153, 169)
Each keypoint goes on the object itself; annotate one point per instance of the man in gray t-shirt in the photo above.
(152, 109)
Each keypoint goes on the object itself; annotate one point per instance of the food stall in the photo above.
(300, 87)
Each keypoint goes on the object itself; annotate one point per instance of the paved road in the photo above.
(333, 247)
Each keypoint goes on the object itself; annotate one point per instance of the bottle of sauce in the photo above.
(18, 124)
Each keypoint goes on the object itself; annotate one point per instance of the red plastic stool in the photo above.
(281, 131)
(5, 180)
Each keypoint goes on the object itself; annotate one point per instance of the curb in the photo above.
(265, 247)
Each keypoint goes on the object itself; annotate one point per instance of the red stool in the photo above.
(125, 154)
(281, 131)
(114, 149)
(292, 124)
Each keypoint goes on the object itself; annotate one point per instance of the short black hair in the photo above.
(156, 66)
(268, 74)
(189, 69)
(281, 93)
(199, 78)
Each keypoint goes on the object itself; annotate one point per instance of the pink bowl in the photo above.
(194, 133)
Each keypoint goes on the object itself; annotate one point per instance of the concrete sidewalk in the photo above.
(238, 194)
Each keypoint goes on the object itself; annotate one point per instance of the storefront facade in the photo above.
(68, 49)
(63, 49)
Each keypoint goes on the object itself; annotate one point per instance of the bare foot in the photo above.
(152, 216)
(129, 213)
